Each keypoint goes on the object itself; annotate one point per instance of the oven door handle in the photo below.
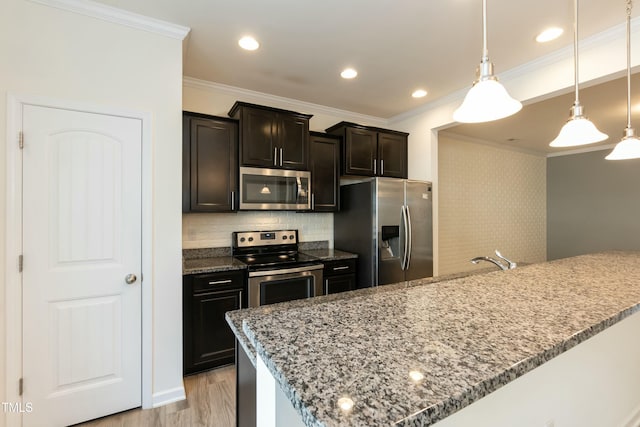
(279, 271)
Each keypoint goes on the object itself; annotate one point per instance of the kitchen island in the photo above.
(426, 352)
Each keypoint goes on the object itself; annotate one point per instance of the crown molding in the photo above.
(500, 146)
(119, 16)
(582, 150)
(287, 103)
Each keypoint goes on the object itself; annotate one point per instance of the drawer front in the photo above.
(338, 267)
(218, 281)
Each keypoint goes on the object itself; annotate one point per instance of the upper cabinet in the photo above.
(272, 138)
(324, 164)
(209, 163)
(371, 151)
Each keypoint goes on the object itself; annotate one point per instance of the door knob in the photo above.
(130, 278)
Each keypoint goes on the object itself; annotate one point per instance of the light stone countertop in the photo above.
(469, 336)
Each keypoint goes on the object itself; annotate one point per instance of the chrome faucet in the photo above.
(510, 265)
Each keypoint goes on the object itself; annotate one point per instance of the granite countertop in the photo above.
(330, 254)
(212, 260)
(468, 336)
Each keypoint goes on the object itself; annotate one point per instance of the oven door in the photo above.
(274, 189)
(279, 285)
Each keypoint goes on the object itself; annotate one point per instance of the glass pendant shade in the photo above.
(627, 148)
(487, 100)
(578, 130)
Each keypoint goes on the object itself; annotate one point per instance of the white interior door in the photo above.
(81, 238)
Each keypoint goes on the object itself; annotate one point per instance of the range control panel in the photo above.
(245, 239)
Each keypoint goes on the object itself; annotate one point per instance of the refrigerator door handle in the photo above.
(405, 225)
(409, 236)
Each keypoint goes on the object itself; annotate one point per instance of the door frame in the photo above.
(13, 248)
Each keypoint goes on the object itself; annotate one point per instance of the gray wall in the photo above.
(593, 204)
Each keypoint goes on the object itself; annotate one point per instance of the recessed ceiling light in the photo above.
(416, 376)
(248, 43)
(420, 93)
(348, 73)
(549, 34)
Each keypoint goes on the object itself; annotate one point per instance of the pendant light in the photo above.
(629, 146)
(487, 99)
(578, 130)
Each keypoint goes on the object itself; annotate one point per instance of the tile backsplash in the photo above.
(214, 230)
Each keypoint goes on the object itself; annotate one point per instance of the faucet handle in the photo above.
(510, 263)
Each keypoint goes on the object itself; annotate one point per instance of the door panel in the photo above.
(360, 152)
(81, 236)
(293, 134)
(392, 152)
(258, 137)
(419, 202)
(390, 251)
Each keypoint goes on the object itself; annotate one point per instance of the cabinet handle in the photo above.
(220, 282)
(381, 166)
(374, 166)
(233, 200)
(313, 201)
(326, 286)
(240, 295)
(275, 156)
(344, 267)
(281, 157)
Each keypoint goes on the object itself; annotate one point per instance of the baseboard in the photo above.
(633, 420)
(168, 396)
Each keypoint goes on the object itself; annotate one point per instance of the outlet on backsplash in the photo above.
(214, 230)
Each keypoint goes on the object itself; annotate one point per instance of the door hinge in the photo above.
(20, 263)
(20, 386)
(21, 140)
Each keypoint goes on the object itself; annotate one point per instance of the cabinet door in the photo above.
(208, 341)
(325, 173)
(392, 155)
(258, 138)
(213, 164)
(342, 283)
(360, 152)
(293, 138)
(213, 340)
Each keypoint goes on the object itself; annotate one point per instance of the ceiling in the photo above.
(397, 46)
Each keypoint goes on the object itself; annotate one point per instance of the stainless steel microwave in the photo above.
(274, 189)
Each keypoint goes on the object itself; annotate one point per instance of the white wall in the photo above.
(490, 198)
(59, 54)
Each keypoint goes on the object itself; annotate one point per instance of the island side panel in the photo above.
(594, 384)
(273, 409)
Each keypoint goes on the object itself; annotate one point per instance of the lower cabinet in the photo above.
(339, 276)
(207, 339)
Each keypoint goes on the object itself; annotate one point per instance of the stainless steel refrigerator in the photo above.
(388, 223)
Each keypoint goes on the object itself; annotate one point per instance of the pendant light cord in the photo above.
(629, 6)
(485, 49)
(575, 48)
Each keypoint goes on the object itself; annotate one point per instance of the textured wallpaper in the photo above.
(214, 229)
(489, 198)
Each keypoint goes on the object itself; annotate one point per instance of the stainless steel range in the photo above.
(278, 272)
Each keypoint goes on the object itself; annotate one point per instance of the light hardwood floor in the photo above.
(211, 402)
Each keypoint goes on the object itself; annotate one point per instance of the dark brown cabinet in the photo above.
(272, 138)
(208, 341)
(324, 164)
(371, 151)
(339, 276)
(209, 163)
